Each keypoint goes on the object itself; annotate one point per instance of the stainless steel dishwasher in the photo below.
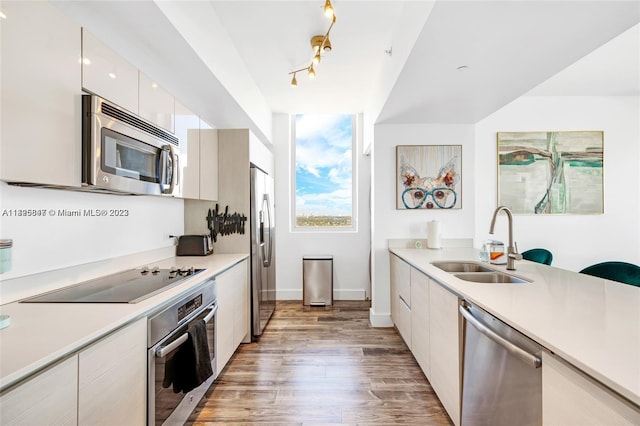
(502, 378)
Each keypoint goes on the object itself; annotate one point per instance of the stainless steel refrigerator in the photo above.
(263, 268)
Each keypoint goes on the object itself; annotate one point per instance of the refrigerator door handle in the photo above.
(266, 247)
(261, 230)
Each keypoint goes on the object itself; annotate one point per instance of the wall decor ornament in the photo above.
(225, 223)
(428, 177)
(551, 172)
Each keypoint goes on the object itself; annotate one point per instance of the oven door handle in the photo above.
(162, 351)
(210, 315)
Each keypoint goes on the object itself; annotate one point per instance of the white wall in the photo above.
(389, 223)
(54, 241)
(350, 250)
(575, 241)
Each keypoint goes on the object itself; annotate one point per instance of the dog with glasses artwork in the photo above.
(429, 192)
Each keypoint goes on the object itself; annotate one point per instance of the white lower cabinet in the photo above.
(112, 378)
(49, 397)
(232, 323)
(401, 297)
(426, 316)
(444, 343)
(420, 320)
(569, 397)
(103, 384)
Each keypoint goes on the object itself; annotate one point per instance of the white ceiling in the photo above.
(240, 52)
(273, 38)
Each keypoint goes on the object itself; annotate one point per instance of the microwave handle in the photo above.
(167, 169)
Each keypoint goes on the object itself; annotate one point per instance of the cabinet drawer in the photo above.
(403, 319)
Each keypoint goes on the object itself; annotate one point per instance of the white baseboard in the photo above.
(380, 320)
(296, 294)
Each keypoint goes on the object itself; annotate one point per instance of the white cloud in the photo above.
(325, 142)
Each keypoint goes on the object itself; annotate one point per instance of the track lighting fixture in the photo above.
(320, 45)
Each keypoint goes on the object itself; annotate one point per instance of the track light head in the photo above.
(294, 81)
(328, 9)
(312, 72)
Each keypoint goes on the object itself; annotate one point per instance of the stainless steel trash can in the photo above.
(317, 280)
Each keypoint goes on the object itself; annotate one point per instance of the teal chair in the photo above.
(539, 255)
(623, 272)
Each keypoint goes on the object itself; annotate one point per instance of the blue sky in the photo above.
(323, 165)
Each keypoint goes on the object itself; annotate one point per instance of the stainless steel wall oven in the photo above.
(167, 333)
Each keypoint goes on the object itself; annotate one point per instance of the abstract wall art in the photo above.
(551, 172)
(428, 177)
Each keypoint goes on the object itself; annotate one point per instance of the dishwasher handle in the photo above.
(531, 359)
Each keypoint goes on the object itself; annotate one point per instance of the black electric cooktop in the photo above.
(130, 286)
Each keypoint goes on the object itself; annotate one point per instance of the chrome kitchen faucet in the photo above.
(512, 251)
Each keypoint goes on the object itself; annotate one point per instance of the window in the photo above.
(323, 161)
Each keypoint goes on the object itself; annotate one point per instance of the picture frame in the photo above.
(551, 172)
(428, 177)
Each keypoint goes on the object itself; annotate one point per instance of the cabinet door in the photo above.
(208, 164)
(241, 330)
(39, 95)
(420, 320)
(232, 327)
(155, 103)
(188, 132)
(569, 397)
(48, 398)
(401, 297)
(225, 319)
(444, 336)
(107, 74)
(113, 378)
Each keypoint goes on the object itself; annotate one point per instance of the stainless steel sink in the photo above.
(454, 266)
(491, 278)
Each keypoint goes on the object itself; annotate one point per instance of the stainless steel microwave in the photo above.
(122, 152)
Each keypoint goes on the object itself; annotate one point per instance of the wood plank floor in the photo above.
(322, 365)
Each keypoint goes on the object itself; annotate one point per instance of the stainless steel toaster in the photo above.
(194, 245)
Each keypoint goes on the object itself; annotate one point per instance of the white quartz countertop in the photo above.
(592, 323)
(42, 333)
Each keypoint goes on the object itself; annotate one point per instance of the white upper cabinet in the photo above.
(208, 162)
(40, 95)
(198, 155)
(188, 132)
(156, 104)
(107, 74)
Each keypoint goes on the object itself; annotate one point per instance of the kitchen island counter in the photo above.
(590, 322)
(40, 334)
